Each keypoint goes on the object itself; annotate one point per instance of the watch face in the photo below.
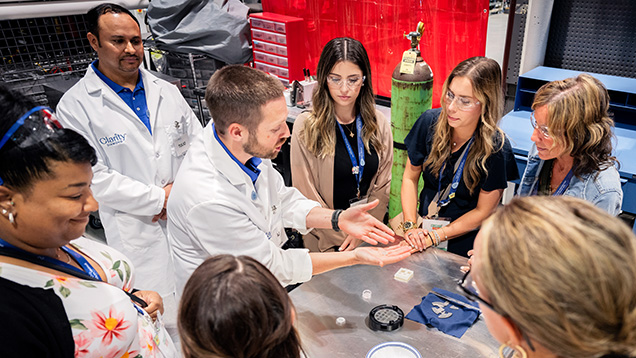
(408, 225)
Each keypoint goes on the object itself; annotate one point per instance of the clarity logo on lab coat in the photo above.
(115, 139)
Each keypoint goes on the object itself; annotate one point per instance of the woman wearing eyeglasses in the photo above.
(463, 157)
(62, 295)
(572, 151)
(342, 151)
(556, 277)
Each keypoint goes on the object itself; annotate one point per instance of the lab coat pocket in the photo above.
(139, 234)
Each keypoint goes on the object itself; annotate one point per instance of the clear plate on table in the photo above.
(393, 350)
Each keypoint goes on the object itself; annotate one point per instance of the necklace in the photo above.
(351, 134)
(68, 257)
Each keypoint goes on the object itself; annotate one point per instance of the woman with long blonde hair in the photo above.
(555, 276)
(342, 150)
(463, 157)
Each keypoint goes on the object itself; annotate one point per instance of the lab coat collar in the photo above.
(221, 159)
(95, 86)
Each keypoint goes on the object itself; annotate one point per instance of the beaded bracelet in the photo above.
(437, 238)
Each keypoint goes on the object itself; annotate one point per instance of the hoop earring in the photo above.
(517, 349)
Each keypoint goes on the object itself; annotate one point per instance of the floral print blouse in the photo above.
(104, 321)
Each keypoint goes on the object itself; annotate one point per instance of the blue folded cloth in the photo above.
(447, 317)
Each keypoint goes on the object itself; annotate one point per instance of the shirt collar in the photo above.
(117, 88)
(251, 165)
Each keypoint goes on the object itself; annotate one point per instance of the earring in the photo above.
(11, 219)
(517, 349)
(4, 211)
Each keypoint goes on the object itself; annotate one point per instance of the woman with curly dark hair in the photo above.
(572, 152)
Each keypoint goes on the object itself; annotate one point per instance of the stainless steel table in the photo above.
(338, 293)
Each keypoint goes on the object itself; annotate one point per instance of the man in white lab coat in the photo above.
(228, 199)
(141, 128)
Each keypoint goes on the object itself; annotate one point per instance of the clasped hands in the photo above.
(418, 239)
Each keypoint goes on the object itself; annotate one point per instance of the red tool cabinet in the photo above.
(278, 45)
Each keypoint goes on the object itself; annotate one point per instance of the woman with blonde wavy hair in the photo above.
(572, 151)
(462, 155)
(556, 277)
(342, 150)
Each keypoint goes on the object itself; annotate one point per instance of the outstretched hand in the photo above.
(360, 225)
(381, 256)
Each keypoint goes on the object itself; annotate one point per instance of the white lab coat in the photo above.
(215, 209)
(133, 166)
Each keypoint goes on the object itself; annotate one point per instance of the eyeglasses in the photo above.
(36, 125)
(351, 82)
(469, 288)
(463, 103)
(543, 129)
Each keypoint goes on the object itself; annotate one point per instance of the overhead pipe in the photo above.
(27, 10)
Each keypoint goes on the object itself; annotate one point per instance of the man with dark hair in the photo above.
(229, 199)
(141, 128)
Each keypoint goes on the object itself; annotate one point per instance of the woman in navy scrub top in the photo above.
(464, 133)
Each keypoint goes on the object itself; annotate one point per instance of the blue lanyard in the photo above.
(356, 169)
(456, 178)
(564, 184)
(562, 187)
(88, 268)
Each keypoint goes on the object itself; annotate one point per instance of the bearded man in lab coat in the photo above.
(141, 128)
(228, 199)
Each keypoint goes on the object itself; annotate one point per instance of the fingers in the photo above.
(394, 255)
(156, 218)
(385, 230)
(381, 236)
(347, 244)
(369, 206)
(409, 237)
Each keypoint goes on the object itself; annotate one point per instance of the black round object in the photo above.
(386, 318)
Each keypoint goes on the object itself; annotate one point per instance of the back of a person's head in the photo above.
(234, 307)
(564, 271)
(21, 165)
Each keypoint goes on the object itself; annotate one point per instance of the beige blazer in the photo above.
(314, 178)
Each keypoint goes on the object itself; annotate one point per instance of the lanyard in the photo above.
(88, 268)
(459, 169)
(565, 183)
(356, 169)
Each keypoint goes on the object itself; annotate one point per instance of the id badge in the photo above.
(355, 201)
(431, 224)
(181, 145)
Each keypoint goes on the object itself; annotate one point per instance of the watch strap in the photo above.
(334, 220)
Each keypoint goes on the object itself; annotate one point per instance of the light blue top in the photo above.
(603, 189)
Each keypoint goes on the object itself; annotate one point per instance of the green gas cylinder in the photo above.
(411, 95)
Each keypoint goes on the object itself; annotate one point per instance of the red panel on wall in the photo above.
(454, 30)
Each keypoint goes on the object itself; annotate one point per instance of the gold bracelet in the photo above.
(444, 231)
